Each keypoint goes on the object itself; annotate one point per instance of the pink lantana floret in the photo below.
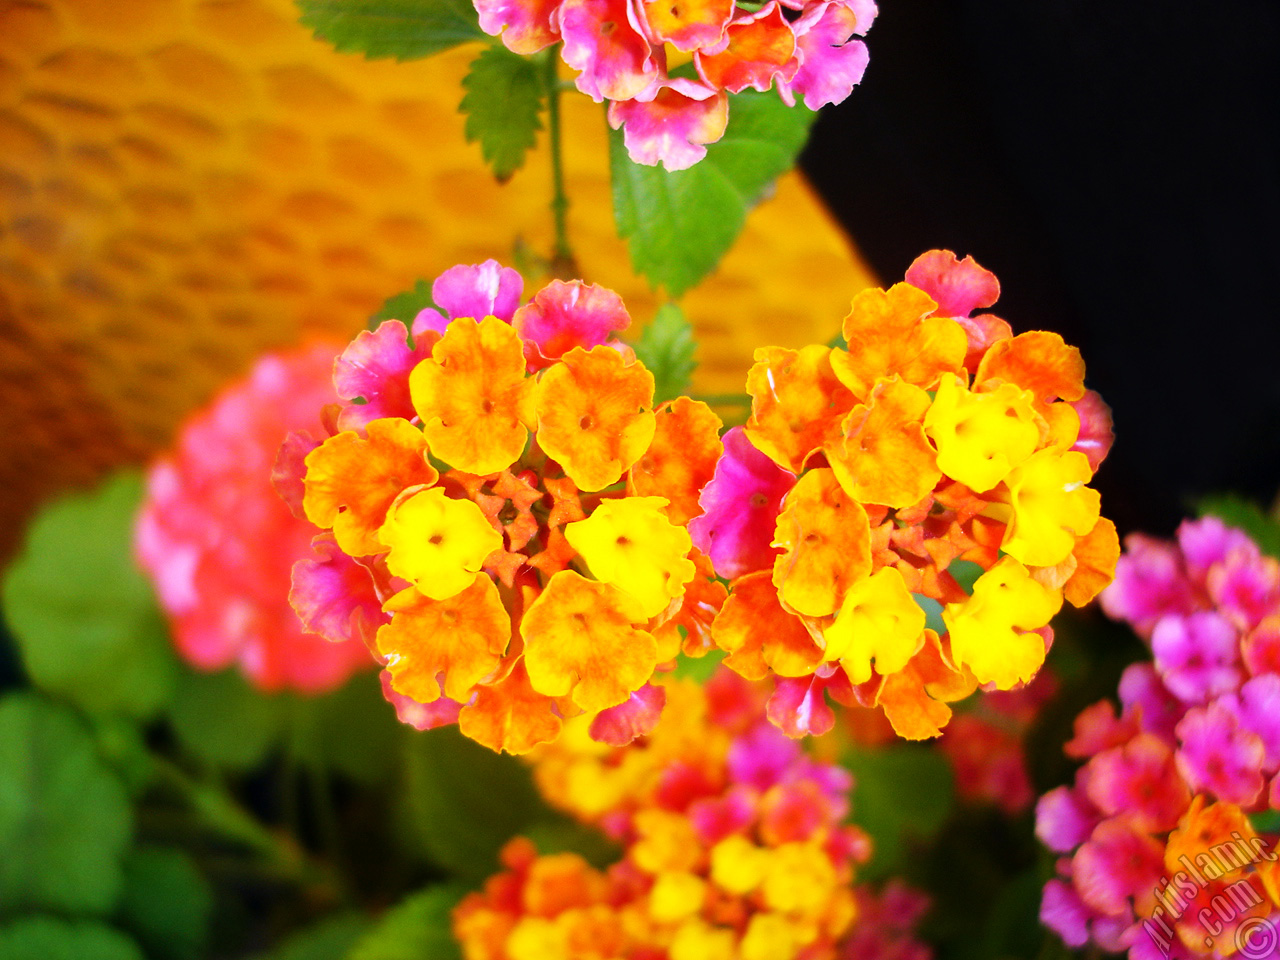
(1197, 655)
(634, 717)
(1218, 755)
(336, 596)
(563, 315)
(1064, 819)
(603, 40)
(831, 61)
(1096, 431)
(958, 286)
(525, 25)
(1145, 697)
(375, 370)
(740, 507)
(1118, 867)
(674, 125)
(1150, 582)
(471, 290)
(220, 544)
(440, 712)
(1140, 779)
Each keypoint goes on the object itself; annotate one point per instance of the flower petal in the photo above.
(437, 543)
(630, 543)
(352, 481)
(462, 637)
(826, 540)
(562, 316)
(892, 332)
(473, 396)
(580, 640)
(883, 456)
(595, 415)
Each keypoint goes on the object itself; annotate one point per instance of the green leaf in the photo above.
(417, 928)
(64, 816)
(404, 306)
(219, 719)
(1236, 511)
(404, 29)
(44, 938)
(678, 225)
(330, 939)
(83, 614)
(462, 801)
(502, 104)
(166, 903)
(1266, 821)
(904, 794)
(666, 347)
(353, 731)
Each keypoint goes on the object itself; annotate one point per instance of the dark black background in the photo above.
(1115, 164)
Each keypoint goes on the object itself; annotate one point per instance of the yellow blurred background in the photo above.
(186, 183)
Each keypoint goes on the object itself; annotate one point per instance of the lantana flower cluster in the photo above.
(622, 50)
(220, 545)
(1158, 852)
(504, 512)
(732, 847)
(864, 474)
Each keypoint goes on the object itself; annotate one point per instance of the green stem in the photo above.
(563, 264)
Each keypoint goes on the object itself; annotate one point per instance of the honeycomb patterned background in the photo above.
(186, 183)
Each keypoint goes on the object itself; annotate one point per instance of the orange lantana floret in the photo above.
(826, 544)
(473, 397)
(1039, 361)
(595, 415)
(581, 640)
(352, 480)
(892, 332)
(510, 715)
(462, 637)
(883, 455)
(681, 459)
(796, 403)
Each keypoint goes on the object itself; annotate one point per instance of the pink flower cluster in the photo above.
(621, 50)
(220, 544)
(1194, 751)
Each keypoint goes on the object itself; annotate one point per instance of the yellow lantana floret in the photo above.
(991, 631)
(676, 896)
(536, 938)
(770, 936)
(631, 544)
(1051, 507)
(437, 543)
(982, 436)
(699, 940)
(800, 878)
(879, 620)
(738, 865)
